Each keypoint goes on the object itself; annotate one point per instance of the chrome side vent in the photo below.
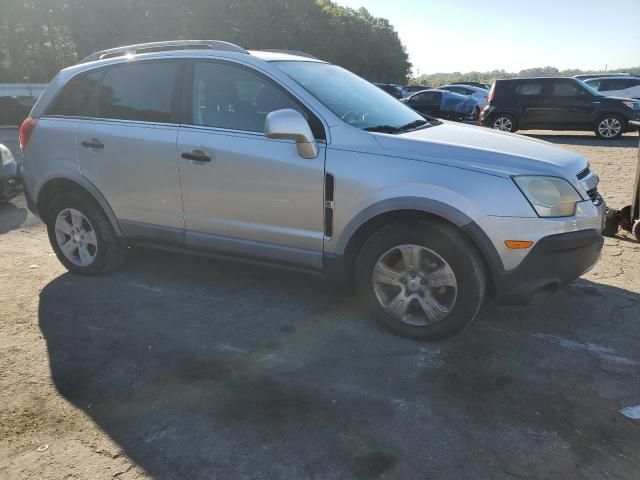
(329, 189)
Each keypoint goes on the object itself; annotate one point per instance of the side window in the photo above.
(595, 84)
(139, 91)
(532, 88)
(566, 89)
(227, 96)
(74, 97)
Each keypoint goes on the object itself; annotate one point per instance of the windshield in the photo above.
(353, 99)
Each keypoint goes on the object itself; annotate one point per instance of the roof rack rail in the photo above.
(164, 47)
(290, 52)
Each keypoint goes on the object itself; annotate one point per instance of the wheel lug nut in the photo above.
(423, 281)
(413, 274)
(403, 281)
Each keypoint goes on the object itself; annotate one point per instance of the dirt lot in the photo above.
(181, 367)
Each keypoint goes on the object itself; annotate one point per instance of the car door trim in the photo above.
(252, 249)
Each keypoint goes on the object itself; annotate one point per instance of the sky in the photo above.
(483, 35)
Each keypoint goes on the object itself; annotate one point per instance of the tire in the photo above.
(636, 230)
(505, 123)
(108, 253)
(441, 248)
(605, 127)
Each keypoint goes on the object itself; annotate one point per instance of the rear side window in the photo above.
(73, 99)
(561, 88)
(618, 84)
(533, 88)
(140, 91)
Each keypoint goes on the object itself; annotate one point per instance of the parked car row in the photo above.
(602, 103)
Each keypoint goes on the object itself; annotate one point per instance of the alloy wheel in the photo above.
(609, 127)
(414, 285)
(503, 124)
(76, 237)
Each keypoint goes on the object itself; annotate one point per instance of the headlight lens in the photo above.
(633, 105)
(6, 157)
(549, 196)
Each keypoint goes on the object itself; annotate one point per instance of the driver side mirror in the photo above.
(289, 124)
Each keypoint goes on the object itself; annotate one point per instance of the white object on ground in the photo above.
(631, 412)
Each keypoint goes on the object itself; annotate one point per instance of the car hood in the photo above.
(486, 150)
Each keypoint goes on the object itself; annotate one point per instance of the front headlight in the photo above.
(633, 105)
(549, 196)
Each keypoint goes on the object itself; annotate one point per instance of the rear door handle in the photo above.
(93, 143)
(196, 156)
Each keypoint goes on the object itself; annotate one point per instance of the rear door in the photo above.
(536, 109)
(242, 192)
(127, 148)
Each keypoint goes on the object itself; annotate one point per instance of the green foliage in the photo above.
(38, 37)
(439, 79)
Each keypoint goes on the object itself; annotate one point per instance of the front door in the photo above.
(573, 105)
(243, 193)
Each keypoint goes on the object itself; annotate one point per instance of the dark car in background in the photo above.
(443, 104)
(391, 88)
(557, 104)
(409, 90)
(485, 86)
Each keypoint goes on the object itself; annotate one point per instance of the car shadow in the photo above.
(11, 216)
(586, 138)
(203, 368)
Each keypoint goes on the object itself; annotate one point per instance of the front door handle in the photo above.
(93, 143)
(196, 156)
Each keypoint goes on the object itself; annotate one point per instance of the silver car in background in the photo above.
(281, 157)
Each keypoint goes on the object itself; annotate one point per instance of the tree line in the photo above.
(39, 37)
(438, 79)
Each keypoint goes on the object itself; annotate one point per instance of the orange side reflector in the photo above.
(518, 244)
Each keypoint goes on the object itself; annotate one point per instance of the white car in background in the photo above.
(627, 87)
(480, 94)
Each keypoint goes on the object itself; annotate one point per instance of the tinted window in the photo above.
(566, 89)
(226, 96)
(618, 84)
(140, 91)
(426, 98)
(533, 88)
(74, 98)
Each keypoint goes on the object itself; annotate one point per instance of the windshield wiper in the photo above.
(382, 129)
(414, 124)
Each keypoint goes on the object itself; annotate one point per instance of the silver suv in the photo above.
(279, 156)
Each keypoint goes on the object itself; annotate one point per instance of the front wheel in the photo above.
(609, 127)
(422, 281)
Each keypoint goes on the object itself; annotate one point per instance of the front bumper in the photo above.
(553, 262)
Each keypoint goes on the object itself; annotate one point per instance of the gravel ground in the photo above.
(179, 367)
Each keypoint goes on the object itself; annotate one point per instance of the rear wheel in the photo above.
(505, 123)
(609, 127)
(82, 236)
(424, 281)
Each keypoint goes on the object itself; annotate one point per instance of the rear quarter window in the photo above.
(74, 98)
